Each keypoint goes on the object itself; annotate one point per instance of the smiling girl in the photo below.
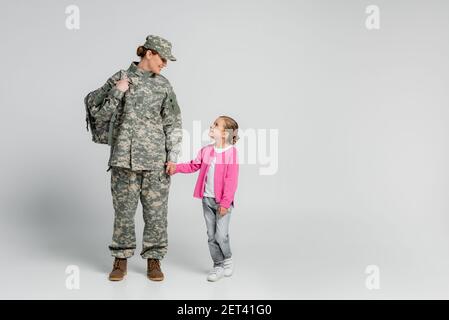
(216, 186)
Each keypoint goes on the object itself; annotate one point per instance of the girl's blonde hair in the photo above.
(231, 126)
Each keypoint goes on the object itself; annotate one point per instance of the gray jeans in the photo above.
(217, 231)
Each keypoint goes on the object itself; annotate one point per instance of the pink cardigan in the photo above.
(225, 177)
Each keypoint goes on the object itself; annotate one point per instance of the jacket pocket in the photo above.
(164, 177)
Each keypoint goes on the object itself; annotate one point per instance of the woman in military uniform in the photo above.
(147, 135)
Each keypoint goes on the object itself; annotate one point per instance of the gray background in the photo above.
(363, 146)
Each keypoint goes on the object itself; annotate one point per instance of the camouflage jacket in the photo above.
(148, 127)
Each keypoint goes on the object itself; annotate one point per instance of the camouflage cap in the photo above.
(162, 46)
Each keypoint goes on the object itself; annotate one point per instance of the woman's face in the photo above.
(156, 62)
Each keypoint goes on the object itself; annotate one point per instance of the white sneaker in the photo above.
(215, 274)
(228, 266)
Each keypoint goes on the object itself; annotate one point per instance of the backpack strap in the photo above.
(88, 116)
(123, 73)
(112, 123)
(111, 126)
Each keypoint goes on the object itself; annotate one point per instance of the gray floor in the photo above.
(307, 255)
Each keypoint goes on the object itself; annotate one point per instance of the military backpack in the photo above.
(101, 130)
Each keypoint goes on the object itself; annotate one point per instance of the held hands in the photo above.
(171, 167)
(170, 170)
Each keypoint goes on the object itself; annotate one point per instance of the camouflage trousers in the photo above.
(151, 187)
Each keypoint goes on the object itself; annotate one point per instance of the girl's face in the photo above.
(217, 130)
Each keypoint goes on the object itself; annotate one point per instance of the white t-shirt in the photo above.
(209, 185)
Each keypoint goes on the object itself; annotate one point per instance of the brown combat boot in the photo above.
(154, 270)
(118, 269)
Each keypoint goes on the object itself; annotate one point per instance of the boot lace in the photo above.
(154, 264)
(116, 264)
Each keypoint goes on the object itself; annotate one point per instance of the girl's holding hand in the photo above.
(216, 186)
